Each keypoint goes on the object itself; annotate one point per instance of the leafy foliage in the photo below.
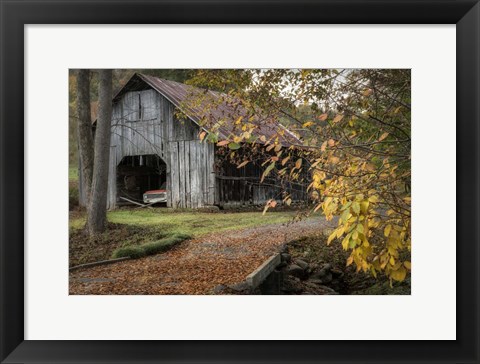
(354, 158)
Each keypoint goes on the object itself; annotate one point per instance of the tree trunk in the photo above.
(97, 208)
(84, 133)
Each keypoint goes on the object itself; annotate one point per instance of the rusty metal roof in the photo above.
(211, 110)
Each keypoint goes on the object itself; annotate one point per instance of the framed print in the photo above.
(203, 181)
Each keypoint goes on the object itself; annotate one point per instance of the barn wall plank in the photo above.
(165, 123)
(112, 179)
(194, 184)
(211, 173)
(181, 173)
(201, 172)
(201, 175)
(174, 174)
(188, 200)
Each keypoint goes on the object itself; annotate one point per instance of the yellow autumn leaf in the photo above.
(243, 164)
(364, 206)
(246, 135)
(267, 205)
(323, 117)
(285, 160)
(331, 237)
(298, 163)
(202, 135)
(367, 92)
(383, 136)
(345, 242)
(340, 231)
(334, 160)
(387, 230)
(356, 207)
(307, 124)
(399, 274)
(267, 171)
(324, 146)
(337, 118)
(222, 143)
(350, 260)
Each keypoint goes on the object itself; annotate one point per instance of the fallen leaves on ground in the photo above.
(195, 266)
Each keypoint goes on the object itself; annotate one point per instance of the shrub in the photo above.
(150, 248)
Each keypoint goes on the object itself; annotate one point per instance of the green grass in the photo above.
(73, 173)
(151, 248)
(135, 232)
(189, 222)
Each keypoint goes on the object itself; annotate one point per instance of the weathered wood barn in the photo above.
(153, 147)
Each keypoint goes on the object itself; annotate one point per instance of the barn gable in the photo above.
(221, 117)
(144, 124)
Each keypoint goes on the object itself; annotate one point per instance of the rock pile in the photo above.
(302, 277)
(293, 276)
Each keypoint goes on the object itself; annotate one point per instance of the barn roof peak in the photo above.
(221, 118)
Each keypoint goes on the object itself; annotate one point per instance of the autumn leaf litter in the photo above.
(195, 266)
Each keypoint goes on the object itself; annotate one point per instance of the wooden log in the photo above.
(94, 264)
(134, 202)
(255, 278)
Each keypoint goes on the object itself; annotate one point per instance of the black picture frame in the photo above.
(15, 14)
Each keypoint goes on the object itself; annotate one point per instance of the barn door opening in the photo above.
(139, 176)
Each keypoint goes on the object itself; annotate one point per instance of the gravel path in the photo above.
(195, 266)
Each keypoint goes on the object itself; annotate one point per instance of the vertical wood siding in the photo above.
(192, 178)
(144, 122)
(241, 186)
